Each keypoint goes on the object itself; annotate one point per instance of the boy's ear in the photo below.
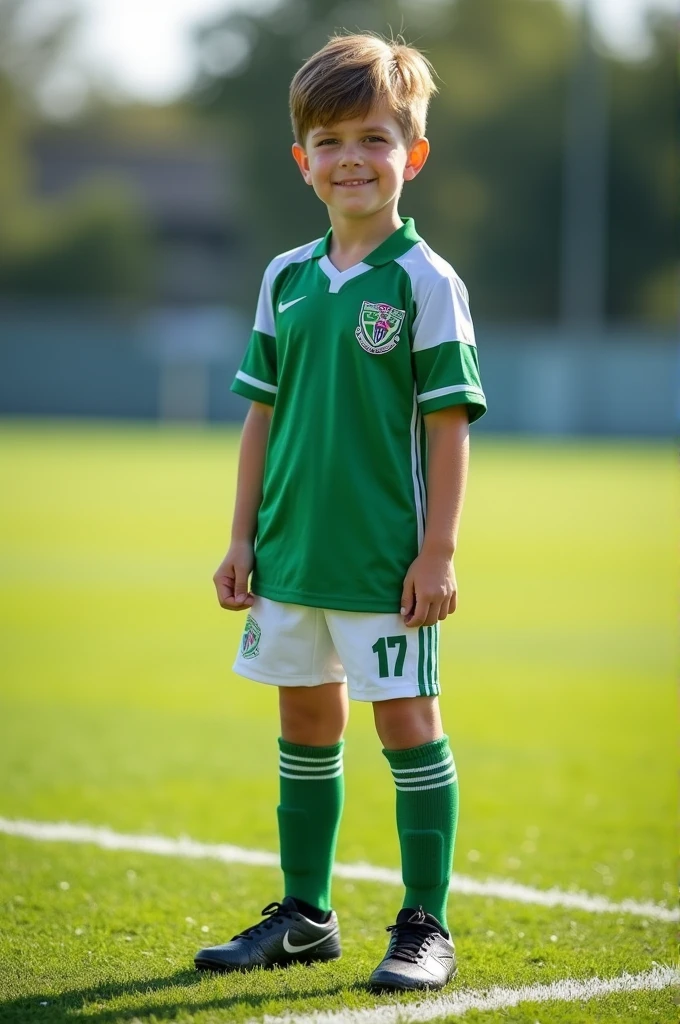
(417, 155)
(302, 160)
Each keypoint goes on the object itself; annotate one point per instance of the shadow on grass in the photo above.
(70, 1006)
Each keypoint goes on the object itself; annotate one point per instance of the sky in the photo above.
(142, 48)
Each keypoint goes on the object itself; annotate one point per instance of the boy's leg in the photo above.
(397, 669)
(289, 646)
(313, 721)
(427, 798)
(420, 954)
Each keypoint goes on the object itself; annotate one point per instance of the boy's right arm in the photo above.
(231, 577)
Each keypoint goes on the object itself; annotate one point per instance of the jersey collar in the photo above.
(394, 246)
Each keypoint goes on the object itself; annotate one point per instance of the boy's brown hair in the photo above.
(351, 74)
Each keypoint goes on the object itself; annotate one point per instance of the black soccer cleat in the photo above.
(420, 955)
(285, 937)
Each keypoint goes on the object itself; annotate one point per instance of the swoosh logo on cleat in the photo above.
(285, 305)
(289, 948)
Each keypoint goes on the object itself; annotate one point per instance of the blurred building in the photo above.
(174, 356)
(171, 356)
(183, 187)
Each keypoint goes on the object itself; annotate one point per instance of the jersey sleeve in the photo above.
(444, 349)
(257, 376)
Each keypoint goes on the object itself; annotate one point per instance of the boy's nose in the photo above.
(350, 157)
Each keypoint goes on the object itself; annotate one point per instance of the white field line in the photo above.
(458, 1003)
(496, 888)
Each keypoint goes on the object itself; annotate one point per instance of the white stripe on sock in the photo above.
(451, 771)
(435, 785)
(310, 768)
(423, 768)
(310, 778)
(317, 760)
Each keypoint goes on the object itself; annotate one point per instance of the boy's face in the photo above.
(358, 167)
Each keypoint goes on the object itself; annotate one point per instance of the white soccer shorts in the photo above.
(375, 654)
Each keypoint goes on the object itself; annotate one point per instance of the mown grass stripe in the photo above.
(496, 888)
(457, 1004)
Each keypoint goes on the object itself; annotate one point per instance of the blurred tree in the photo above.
(88, 245)
(33, 38)
(643, 269)
(492, 203)
(490, 198)
(248, 61)
(91, 243)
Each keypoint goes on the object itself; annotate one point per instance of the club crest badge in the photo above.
(379, 326)
(250, 641)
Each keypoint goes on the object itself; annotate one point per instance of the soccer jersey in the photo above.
(351, 361)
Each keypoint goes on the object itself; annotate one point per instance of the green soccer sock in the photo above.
(427, 816)
(312, 793)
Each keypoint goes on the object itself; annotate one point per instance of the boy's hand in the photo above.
(429, 592)
(231, 577)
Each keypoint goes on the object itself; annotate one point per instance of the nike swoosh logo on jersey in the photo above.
(285, 305)
(289, 948)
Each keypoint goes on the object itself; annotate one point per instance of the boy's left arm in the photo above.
(429, 591)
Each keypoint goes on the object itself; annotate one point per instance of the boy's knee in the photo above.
(310, 717)
(298, 716)
(407, 721)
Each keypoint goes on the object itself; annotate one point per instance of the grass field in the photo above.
(119, 708)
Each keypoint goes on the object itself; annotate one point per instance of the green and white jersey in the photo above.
(351, 362)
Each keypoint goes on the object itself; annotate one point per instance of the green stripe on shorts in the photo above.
(435, 661)
(421, 661)
(428, 660)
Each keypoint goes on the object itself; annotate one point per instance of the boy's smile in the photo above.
(354, 182)
(358, 166)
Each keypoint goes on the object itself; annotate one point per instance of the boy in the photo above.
(363, 376)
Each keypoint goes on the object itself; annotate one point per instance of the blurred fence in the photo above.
(178, 364)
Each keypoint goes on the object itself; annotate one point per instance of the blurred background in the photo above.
(145, 183)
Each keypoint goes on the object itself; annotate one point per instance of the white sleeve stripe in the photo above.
(454, 389)
(421, 346)
(255, 383)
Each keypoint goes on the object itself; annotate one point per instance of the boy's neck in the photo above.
(354, 237)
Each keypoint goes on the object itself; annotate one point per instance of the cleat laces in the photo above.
(273, 913)
(412, 937)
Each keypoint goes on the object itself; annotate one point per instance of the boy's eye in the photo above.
(368, 138)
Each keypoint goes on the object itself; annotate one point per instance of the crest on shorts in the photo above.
(250, 641)
(379, 325)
